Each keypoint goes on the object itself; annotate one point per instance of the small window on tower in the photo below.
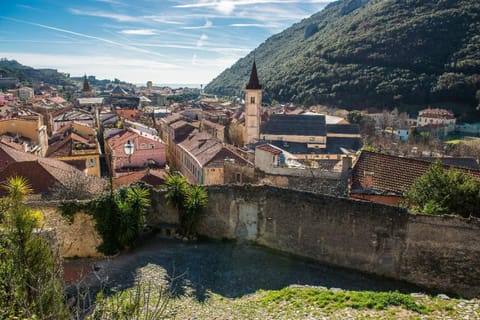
(252, 100)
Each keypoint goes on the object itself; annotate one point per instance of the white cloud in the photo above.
(108, 15)
(208, 24)
(250, 25)
(112, 2)
(202, 40)
(139, 32)
(83, 35)
(128, 69)
(226, 7)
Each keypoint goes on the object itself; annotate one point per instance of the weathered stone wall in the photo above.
(435, 252)
(78, 239)
(159, 212)
(331, 183)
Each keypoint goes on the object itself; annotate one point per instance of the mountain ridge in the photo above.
(370, 53)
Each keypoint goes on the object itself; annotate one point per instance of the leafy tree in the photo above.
(30, 274)
(235, 134)
(441, 191)
(354, 117)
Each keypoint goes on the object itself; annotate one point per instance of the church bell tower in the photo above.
(253, 104)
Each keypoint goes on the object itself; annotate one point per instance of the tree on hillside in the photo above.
(354, 117)
(440, 191)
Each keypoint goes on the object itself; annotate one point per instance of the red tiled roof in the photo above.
(386, 173)
(436, 113)
(42, 173)
(127, 113)
(212, 124)
(153, 177)
(206, 149)
(269, 148)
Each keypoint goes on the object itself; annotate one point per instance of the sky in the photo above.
(164, 41)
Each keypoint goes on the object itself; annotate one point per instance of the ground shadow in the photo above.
(232, 270)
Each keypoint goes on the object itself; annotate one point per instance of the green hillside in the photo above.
(377, 53)
(29, 75)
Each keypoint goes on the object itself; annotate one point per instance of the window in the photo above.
(152, 146)
(252, 100)
(143, 146)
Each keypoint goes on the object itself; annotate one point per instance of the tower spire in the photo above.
(253, 83)
(86, 85)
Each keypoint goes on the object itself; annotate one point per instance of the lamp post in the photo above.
(129, 148)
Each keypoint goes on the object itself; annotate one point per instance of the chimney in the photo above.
(346, 167)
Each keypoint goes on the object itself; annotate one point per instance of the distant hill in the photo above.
(370, 53)
(25, 74)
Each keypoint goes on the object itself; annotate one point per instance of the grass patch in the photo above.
(332, 301)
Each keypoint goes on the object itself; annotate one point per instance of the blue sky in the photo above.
(165, 41)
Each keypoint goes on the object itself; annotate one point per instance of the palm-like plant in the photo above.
(196, 200)
(18, 188)
(131, 211)
(176, 189)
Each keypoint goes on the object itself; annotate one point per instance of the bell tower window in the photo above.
(252, 100)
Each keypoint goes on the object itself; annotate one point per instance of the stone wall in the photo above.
(436, 252)
(78, 239)
(441, 253)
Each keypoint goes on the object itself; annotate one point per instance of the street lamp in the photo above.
(129, 148)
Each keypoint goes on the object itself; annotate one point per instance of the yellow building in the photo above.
(77, 145)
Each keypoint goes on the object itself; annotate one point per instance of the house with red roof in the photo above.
(384, 178)
(131, 150)
(76, 144)
(43, 174)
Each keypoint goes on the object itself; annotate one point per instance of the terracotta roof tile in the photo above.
(153, 177)
(386, 173)
(42, 173)
(269, 148)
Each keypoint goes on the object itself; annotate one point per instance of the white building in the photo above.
(25, 93)
(435, 118)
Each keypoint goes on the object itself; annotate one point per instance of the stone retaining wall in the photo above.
(78, 239)
(441, 253)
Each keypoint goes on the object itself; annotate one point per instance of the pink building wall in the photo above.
(147, 149)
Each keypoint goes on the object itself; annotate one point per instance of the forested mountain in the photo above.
(370, 53)
(29, 75)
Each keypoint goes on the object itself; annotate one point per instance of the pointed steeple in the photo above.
(86, 85)
(253, 83)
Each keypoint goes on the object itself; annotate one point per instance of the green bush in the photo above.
(190, 200)
(119, 216)
(442, 191)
